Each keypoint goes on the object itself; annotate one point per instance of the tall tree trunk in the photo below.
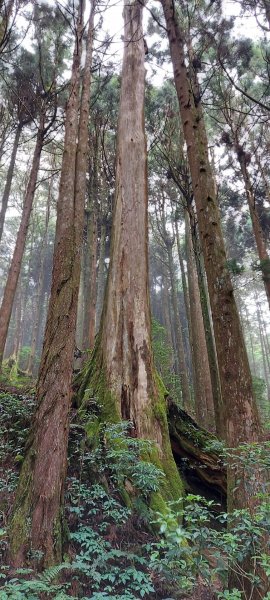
(183, 276)
(241, 413)
(166, 307)
(121, 371)
(36, 311)
(10, 172)
(204, 404)
(15, 267)
(37, 518)
(209, 334)
(264, 334)
(42, 319)
(253, 362)
(93, 287)
(187, 304)
(26, 292)
(264, 353)
(90, 265)
(183, 374)
(80, 312)
(101, 278)
(236, 383)
(256, 226)
(262, 172)
(89, 251)
(17, 335)
(14, 337)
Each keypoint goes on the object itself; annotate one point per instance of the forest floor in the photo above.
(109, 545)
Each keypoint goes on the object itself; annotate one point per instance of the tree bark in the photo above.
(204, 404)
(235, 377)
(250, 335)
(208, 328)
(80, 312)
(93, 288)
(10, 172)
(179, 337)
(264, 334)
(121, 371)
(166, 306)
(90, 278)
(36, 311)
(18, 322)
(101, 279)
(264, 353)
(256, 226)
(241, 413)
(15, 267)
(37, 518)
(183, 276)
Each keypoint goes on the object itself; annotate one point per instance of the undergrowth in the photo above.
(116, 548)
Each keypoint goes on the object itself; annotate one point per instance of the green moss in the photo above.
(19, 529)
(99, 405)
(173, 487)
(18, 458)
(158, 504)
(93, 390)
(126, 497)
(92, 429)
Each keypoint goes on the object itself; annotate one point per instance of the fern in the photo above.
(50, 574)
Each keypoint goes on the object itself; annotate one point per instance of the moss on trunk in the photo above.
(101, 405)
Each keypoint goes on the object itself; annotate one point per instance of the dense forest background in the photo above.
(135, 295)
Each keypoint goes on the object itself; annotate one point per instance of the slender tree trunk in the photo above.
(36, 311)
(179, 338)
(37, 516)
(204, 404)
(90, 251)
(93, 287)
(262, 172)
(253, 363)
(183, 276)
(121, 370)
(10, 172)
(166, 307)
(15, 267)
(187, 305)
(42, 319)
(26, 286)
(264, 355)
(241, 414)
(256, 226)
(101, 279)
(235, 378)
(17, 337)
(80, 312)
(209, 335)
(264, 336)
(90, 278)
(3, 138)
